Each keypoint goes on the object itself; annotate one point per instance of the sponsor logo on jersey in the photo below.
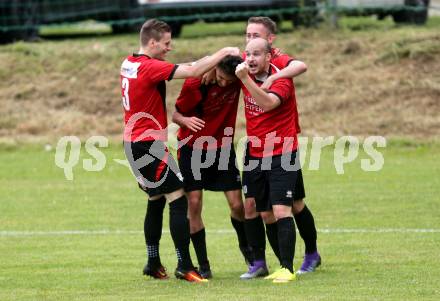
(129, 69)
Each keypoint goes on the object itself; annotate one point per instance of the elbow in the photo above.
(297, 68)
(269, 104)
(303, 68)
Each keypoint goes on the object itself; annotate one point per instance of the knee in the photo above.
(268, 217)
(298, 206)
(249, 208)
(237, 208)
(194, 207)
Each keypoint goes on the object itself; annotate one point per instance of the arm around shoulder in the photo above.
(205, 64)
(295, 68)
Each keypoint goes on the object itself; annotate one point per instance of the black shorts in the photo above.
(157, 172)
(213, 170)
(273, 183)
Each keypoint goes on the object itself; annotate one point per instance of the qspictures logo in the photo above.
(345, 150)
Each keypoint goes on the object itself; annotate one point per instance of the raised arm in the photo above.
(205, 64)
(266, 101)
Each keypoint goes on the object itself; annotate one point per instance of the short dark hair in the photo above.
(267, 22)
(229, 63)
(153, 29)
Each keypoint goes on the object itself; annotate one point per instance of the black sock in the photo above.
(153, 229)
(306, 228)
(179, 228)
(286, 241)
(241, 235)
(272, 236)
(199, 242)
(256, 237)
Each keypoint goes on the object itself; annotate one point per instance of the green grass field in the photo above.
(379, 233)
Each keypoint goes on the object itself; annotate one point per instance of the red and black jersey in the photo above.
(277, 127)
(216, 105)
(281, 61)
(143, 97)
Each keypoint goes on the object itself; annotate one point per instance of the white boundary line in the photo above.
(7, 233)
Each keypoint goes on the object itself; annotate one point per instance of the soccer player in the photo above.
(143, 78)
(206, 112)
(264, 27)
(271, 125)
